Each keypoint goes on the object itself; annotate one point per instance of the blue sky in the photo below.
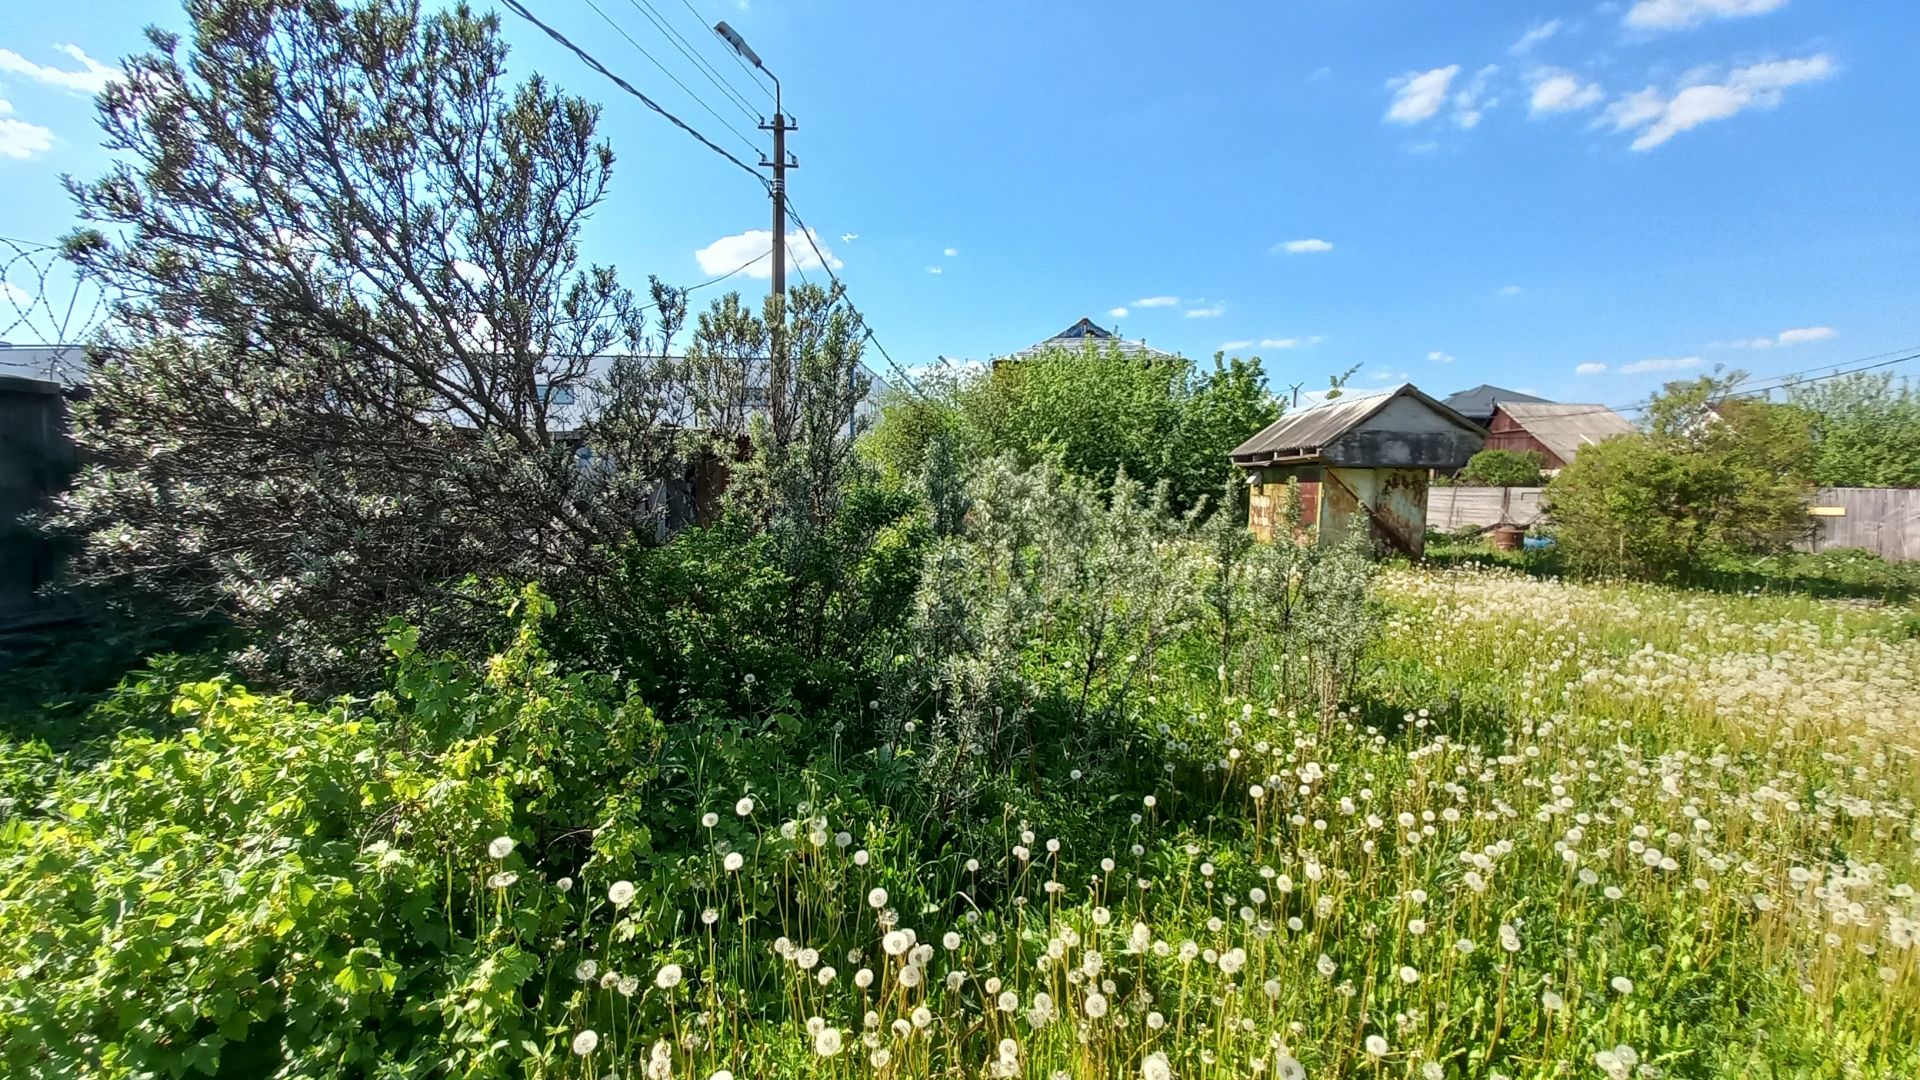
(1581, 200)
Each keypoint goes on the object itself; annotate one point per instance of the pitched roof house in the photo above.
(1477, 404)
(1085, 335)
(1555, 430)
(1361, 463)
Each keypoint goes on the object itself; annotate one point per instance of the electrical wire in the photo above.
(835, 278)
(587, 58)
(675, 79)
(1785, 381)
(700, 63)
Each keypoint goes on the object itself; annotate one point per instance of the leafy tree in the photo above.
(1711, 475)
(1866, 430)
(360, 358)
(1100, 411)
(1504, 468)
(1222, 409)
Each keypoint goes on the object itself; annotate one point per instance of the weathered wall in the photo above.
(1267, 499)
(1388, 506)
(1405, 434)
(1507, 434)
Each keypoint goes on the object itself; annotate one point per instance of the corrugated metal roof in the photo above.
(1478, 403)
(1564, 429)
(1304, 433)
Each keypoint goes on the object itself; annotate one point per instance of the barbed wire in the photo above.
(38, 308)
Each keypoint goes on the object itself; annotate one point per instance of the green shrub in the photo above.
(284, 886)
(1712, 477)
(1505, 468)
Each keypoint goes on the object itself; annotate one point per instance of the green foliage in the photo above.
(1505, 468)
(287, 886)
(1866, 430)
(1100, 411)
(1712, 477)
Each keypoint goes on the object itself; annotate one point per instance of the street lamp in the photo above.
(777, 366)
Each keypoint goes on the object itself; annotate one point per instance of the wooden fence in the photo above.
(1882, 520)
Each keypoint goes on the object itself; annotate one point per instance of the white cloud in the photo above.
(1439, 357)
(1117, 313)
(1235, 346)
(849, 237)
(1799, 335)
(1802, 335)
(1555, 91)
(1511, 290)
(951, 252)
(1471, 102)
(19, 139)
(1303, 247)
(936, 270)
(92, 77)
(1589, 369)
(1420, 94)
(1664, 363)
(1681, 14)
(1392, 377)
(1659, 117)
(1289, 342)
(1207, 312)
(1157, 301)
(730, 253)
(1534, 36)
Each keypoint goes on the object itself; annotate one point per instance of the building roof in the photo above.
(1303, 435)
(1564, 429)
(1477, 403)
(53, 363)
(1085, 335)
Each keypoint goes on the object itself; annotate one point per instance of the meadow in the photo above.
(1553, 830)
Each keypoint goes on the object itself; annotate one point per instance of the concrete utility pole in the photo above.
(777, 365)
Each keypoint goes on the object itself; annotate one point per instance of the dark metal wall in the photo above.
(36, 459)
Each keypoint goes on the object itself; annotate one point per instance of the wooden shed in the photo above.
(1362, 464)
(1555, 431)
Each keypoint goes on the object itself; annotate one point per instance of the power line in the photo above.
(520, 9)
(1786, 380)
(835, 278)
(675, 79)
(1789, 381)
(700, 63)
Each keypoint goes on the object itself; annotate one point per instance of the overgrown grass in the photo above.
(1843, 573)
(1560, 830)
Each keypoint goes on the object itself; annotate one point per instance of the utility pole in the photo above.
(777, 365)
(778, 369)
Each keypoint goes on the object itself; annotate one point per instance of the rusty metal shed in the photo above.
(1362, 463)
